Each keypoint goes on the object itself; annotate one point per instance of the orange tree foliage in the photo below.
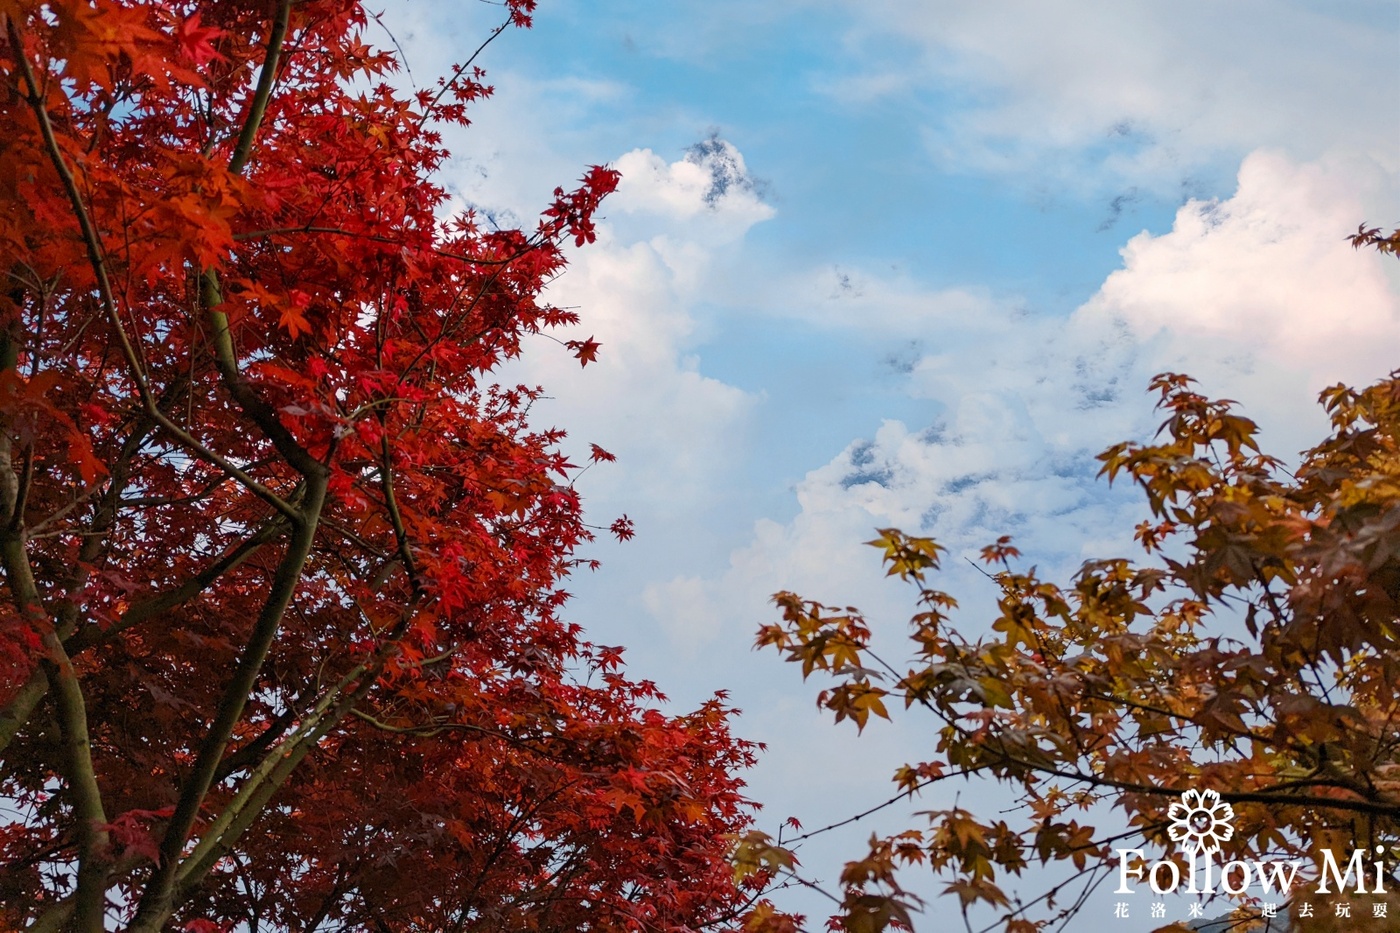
(1373, 236)
(280, 643)
(1256, 654)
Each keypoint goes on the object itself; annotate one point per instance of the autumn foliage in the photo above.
(1255, 653)
(281, 643)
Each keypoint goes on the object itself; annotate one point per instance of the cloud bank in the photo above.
(1258, 296)
(1136, 89)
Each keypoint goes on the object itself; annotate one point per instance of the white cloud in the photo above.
(673, 428)
(852, 298)
(1264, 287)
(1146, 90)
(711, 180)
(1259, 296)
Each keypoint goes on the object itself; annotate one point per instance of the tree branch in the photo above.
(267, 79)
(22, 706)
(90, 898)
(156, 904)
(211, 292)
(97, 260)
(276, 767)
(158, 605)
(24, 591)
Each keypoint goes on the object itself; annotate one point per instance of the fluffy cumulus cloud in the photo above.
(1144, 89)
(1263, 289)
(711, 179)
(646, 399)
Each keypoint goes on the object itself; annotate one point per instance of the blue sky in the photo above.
(912, 263)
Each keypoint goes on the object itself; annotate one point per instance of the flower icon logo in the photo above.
(1201, 821)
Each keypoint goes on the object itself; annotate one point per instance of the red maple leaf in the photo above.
(623, 528)
(196, 41)
(585, 351)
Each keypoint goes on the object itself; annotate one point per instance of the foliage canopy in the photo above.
(280, 644)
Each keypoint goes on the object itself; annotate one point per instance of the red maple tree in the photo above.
(281, 644)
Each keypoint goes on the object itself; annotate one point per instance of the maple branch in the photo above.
(351, 536)
(211, 292)
(335, 893)
(265, 780)
(1088, 869)
(263, 415)
(812, 885)
(157, 903)
(164, 602)
(429, 730)
(21, 494)
(451, 325)
(17, 712)
(209, 488)
(14, 558)
(1097, 874)
(252, 796)
(267, 78)
(377, 238)
(1275, 795)
(902, 795)
(386, 476)
(98, 262)
(55, 674)
(161, 895)
(53, 919)
(1372, 802)
(524, 815)
(96, 258)
(91, 896)
(247, 754)
(457, 73)
(460, 70)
